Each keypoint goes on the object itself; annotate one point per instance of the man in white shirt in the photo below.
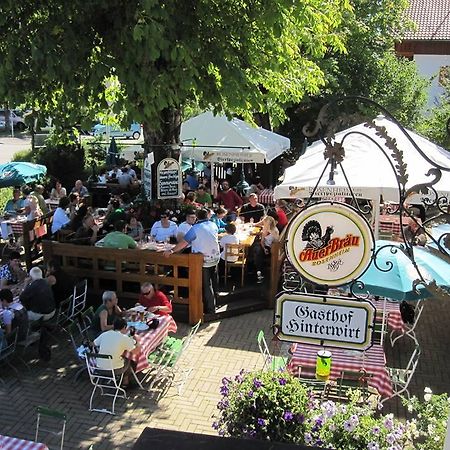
(125, 179)
(164, 229)
(186, 225)
(60, 218)
(115, 342)
(203, 238)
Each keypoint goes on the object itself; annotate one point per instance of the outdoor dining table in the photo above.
(372, 361)
(390, 224)
(149, 340)
(12, 225)
(11, 443)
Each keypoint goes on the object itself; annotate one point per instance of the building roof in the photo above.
(432, 18)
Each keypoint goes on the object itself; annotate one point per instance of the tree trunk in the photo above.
(162, 139)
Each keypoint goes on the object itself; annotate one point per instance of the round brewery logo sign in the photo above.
(329, 243)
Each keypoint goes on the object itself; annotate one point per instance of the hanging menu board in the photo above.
(169, 179)
(147, 176)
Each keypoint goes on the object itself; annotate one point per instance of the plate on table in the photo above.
(138, 309)
(140, 326)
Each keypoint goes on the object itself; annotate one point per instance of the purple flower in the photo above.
(250, 394)
(257, 383)
(215, 425)
(223, 404)
(373, 446)
(282, 381)
(225, 381)
(224, 390)
(221, 433)
(389, 422)
(252, 433)
(376, 430)
(261, 422)
(308, 438)
(390, 438)
(287, 416)
(349, 426)
(238, 378)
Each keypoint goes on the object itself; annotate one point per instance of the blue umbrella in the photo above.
(397, 283)
(18, 173)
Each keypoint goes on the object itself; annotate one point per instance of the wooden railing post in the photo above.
(195, 288)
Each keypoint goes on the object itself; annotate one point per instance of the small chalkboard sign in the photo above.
(169, 179)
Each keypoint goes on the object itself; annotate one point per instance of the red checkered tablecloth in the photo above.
(10, 443)
(394, 317)
(266, 197)
(14, 226)
(149, 340)
(372, 361)
(390, 224)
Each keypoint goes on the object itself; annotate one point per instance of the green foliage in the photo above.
(5, 195)
(23, 155)
(72, 60)
(64, 162)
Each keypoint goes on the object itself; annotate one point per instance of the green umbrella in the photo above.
(18, 173)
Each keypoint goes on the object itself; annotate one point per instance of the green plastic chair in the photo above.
(270, 362)
(173, 343)
(43, 411)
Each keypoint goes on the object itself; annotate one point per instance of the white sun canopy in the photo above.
(246, 144)
(368, 170)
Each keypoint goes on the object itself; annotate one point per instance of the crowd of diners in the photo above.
(202, 220)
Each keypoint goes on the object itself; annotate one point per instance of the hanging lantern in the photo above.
(323, 365)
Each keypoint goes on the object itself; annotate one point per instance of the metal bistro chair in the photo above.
(270, 362)
(402, 377)
(409, 330)
(78, 339)
(51, 414)
(85, 320)
(78, 299)
(8, 351)
(234, 251)
(104, 379)
(317, 387)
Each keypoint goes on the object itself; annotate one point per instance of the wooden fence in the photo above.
(124, 270)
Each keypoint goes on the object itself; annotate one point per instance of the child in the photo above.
(229, 238)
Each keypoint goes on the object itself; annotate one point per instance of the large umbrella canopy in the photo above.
(397, 283)
(368, 171)
(18, 173)
(220, 140)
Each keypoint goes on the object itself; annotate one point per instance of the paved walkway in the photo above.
(220, 349)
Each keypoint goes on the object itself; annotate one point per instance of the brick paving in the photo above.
(219, 349)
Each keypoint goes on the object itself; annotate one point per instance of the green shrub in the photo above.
(5, 195)
(23, 155)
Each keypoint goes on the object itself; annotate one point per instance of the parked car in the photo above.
(18, 121)
(134, 131)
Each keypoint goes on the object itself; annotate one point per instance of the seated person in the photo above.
(12, 272)
(125, 201)
(125, 180)
(37, 297)
(61, 282)
(115, 342)
(77, 220)
(217, 218)
(38, 191)
(202, 197)
(58, 191)
(79, 189)
(187, 224)
(74, 199)
(229, 238)
(252, 210)
(259, 250)
(14, 314)
(135, 229)
(87, 233)
(164, 229)
(190, 200)
(114, 213)
(106, 313)
(16, 205)
(155, 301)
(60, 217)
(280, 207)
(32, 209)
(118, 238)
(102, 177)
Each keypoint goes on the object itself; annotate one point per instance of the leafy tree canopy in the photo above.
(74, 59)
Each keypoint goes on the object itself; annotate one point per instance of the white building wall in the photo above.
(428, 66)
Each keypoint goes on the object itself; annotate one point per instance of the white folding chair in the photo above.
(104, 379)
(50, 414)
(270, 362)
(78, 299)
(402, 377)
(409, 330)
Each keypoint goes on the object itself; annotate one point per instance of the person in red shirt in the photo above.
(230, 199)
(155, 301)
(282, 218)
